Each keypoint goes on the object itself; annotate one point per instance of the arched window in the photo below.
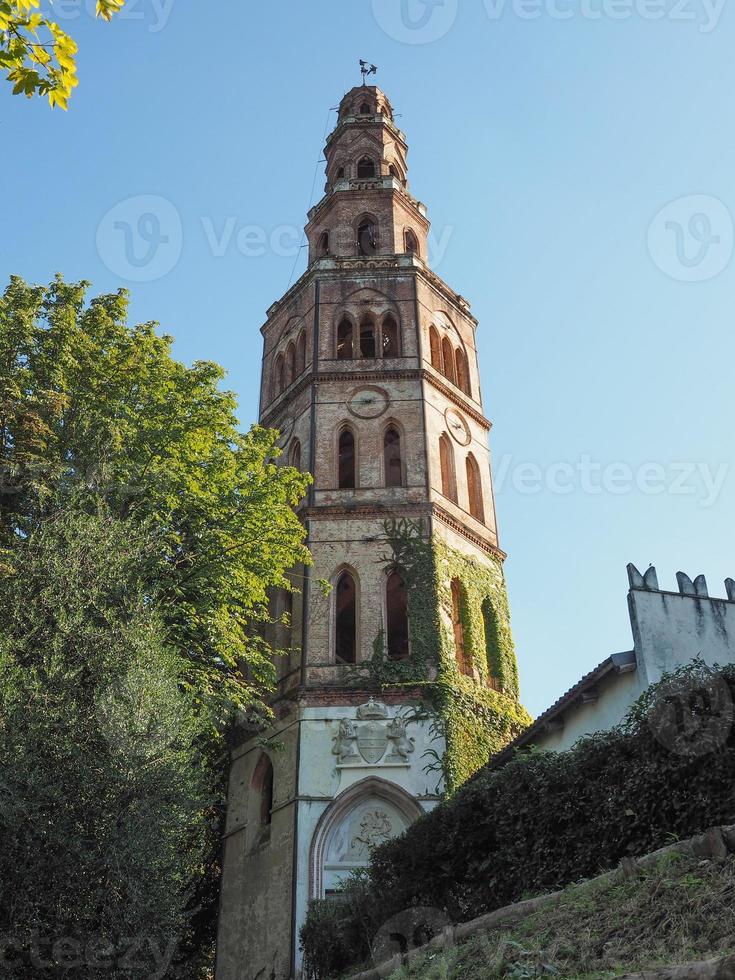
(323, 244)
(412, 242)
(448, 358)
(262, 787)
(396, 614)
(365, 109)
(393, 171)
(474, 489)
(290, 363)
(392, 458)
(346, 464)
(345, 620)
(295, 456)
(366, 168)
(278, 378)
(344, 340)
(301, 353)
(367, 238)
(340, 173)
(491, 643)
(367, 337)
(459, 638)
(463, 376)
(446, 461)
(436, 349)
(390, 336)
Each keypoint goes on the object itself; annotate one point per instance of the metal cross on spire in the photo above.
(367, 69)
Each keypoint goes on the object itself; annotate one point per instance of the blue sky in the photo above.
(547, 137)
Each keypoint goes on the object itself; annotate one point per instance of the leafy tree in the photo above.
(36, 54)
(106, 791)
(92, 409)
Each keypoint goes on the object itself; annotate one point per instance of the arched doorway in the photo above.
(367, 814)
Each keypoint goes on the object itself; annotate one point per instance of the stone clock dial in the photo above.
(368, 402)
(458, 428)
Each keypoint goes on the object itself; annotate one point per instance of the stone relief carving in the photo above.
(366, 740)
(375, 828)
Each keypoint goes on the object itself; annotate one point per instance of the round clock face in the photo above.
(368, 402)
(457, 426)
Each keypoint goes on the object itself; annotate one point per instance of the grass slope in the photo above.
(681, 910)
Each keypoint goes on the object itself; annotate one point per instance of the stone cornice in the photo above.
(456, 525)
(462, 402)
(336, 268)
(380, 184)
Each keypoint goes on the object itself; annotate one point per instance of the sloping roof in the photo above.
(618, 663)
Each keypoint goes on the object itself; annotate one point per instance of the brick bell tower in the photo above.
(370, 374)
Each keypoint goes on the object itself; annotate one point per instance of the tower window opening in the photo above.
(446, 463)
(412, 243)
(340, 173)
(460, 651)
(344, 340)
(396, 614)
(366, 168)
(323, 246)
(278, 378)
(301, 353)
(345, 645)
(367, 338)
(263, 785)
(367, 238)
(365, 110)
(448, 358)
(463, 377)
(474, 489)
(390, 337)
(393, 171)
(490, 623)
(290, 363)
(436, 349)
(296, 455)
(346, 466)
(392, 458)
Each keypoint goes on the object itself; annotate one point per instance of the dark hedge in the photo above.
(547, 819)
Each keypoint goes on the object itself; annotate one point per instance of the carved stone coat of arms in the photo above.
(367, 738)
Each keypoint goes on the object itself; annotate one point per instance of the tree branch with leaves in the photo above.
(38, 57)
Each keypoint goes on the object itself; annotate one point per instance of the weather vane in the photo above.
(367, 69)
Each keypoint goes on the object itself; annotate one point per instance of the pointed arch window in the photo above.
(278, 376)
(392, 458)
(344, 340)
(345, 641)
(290, 372)
(323, 245)
(436, 349)
(367, 237)
(393, 171)
(367, 337)
(365, 109)
(412, 242)
(301, 353)
(390, 336)
(446, 462)
(489, 621)
(458, 601)
(295, 457)
(474, 489)
(448, 358)
(346, 462)
(463, 376)
(340, 173)
(262, 788)
(366, 168)
(396, 609)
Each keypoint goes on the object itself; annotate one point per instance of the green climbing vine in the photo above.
(475, 715)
